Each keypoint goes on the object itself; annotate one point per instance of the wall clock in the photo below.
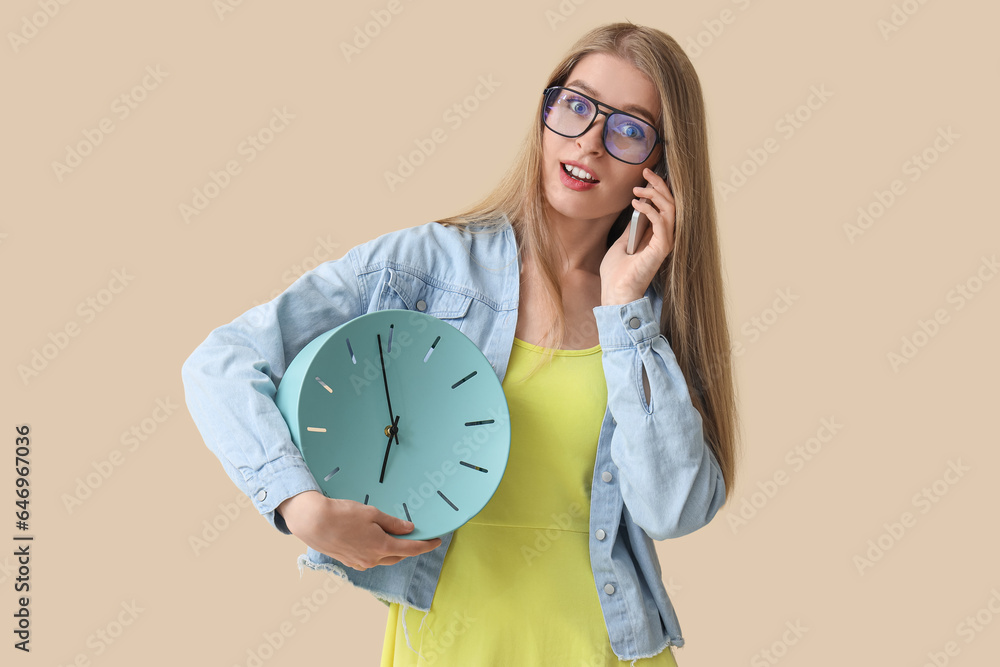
(399, 410)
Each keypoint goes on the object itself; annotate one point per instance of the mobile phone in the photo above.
(639, 222)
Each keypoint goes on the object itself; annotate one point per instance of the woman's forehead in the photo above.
(615, 82)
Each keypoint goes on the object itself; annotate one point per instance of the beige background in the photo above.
(320, 183)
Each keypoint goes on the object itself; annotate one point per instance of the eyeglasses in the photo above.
(626, 137)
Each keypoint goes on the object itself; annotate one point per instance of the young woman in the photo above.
(615, 367)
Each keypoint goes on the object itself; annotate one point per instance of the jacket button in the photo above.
(421, 305)
(606, 476)
(261, 495)
(600, 534)
(609, 589)
(634, 322)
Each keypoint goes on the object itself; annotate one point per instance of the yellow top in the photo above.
(516, 586)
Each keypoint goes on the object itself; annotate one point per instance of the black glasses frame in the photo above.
(607, 116)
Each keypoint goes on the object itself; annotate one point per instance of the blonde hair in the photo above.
(693, 317)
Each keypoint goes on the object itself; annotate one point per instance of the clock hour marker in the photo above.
(473, 467)
(389, 349)
(433, 345)
(316, 429)
(366, 499)
(351, 350)
(448, 501)
(481, 421)
(325, 385)
(407, 510)
(331, 474)
(463, 379)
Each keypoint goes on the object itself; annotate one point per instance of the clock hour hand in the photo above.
(386, 383)
(392, 430)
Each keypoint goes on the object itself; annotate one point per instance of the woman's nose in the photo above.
(593, 138)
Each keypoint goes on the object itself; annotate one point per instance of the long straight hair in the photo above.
(693, 317)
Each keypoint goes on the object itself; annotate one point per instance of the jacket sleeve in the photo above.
(231, 378)
(669, 479)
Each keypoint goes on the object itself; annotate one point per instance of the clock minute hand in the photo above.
(388, 445)
(386, 382)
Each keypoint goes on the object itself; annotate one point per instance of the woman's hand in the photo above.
(625, 277)
(354, 533)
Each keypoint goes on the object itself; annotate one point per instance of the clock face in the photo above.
(400, 410)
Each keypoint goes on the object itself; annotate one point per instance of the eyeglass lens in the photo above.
(626, 137)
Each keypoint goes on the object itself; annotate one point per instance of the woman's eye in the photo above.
(631, 131)
(578, 106)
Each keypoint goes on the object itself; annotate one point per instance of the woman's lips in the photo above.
(571, 182)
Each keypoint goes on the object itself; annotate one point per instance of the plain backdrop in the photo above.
(853, 147)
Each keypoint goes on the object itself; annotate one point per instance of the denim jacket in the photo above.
(654, 475)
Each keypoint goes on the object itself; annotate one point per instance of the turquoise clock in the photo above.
(399, 410)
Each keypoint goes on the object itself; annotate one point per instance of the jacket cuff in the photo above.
(625, 325)
(277, 481)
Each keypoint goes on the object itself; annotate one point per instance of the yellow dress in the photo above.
(516, 586)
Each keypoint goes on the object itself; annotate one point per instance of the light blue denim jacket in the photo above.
(654, 476)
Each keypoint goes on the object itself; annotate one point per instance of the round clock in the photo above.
(399, 410)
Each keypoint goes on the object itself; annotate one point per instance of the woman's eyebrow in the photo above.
(631, 108)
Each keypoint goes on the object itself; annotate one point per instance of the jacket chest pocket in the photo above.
(406, 291)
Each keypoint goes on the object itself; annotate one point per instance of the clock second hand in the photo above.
(392, 431)
(386, 383)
